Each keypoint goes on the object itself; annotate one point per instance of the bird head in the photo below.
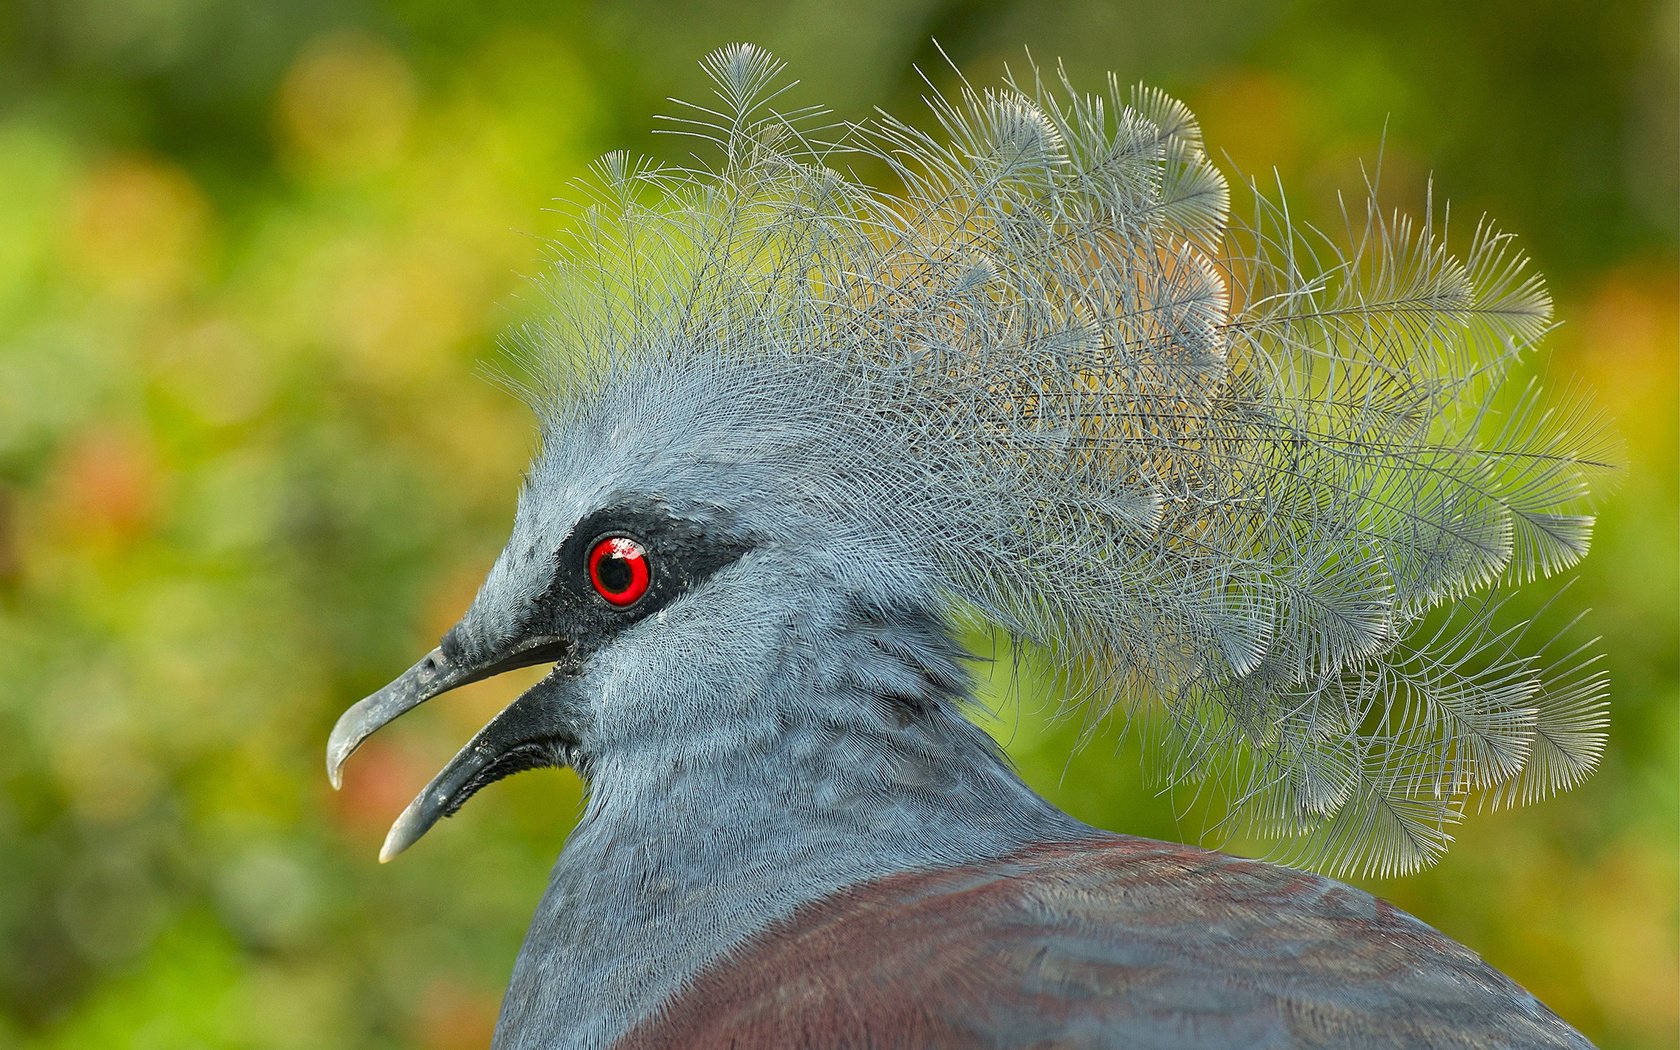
(1047, 385)
(683, 536)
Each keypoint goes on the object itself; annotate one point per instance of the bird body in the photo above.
(1227, 481)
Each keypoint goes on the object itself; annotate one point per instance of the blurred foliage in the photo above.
(250, 255)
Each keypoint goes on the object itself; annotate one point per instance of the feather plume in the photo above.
(1220, 471)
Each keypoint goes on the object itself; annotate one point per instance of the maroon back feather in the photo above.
(1114, 942)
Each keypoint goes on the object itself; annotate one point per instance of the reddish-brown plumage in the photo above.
(1113, 942)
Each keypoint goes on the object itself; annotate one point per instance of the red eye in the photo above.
(618, 569)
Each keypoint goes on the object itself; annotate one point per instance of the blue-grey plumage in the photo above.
(797, 431)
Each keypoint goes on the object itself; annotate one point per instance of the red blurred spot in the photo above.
(107, 487)
(379, 780)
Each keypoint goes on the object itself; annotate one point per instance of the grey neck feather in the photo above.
(677, 861)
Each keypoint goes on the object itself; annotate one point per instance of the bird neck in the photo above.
(679, 858)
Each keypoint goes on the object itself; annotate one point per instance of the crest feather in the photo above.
(1221, 472)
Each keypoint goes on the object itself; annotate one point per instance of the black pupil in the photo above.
(613, 572)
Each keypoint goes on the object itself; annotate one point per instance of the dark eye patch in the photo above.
(680, 553)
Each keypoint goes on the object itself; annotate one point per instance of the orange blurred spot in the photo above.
(107, 488)
(139, 227)
(456, 1018)
(1256, 118)
(1626, 345)
(379, 780)
(346, 104)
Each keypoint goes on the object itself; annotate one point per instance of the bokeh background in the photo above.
(252, 256)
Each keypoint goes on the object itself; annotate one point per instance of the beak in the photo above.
(533, 732)
(525, 735)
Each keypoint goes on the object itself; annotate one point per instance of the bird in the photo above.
(829, 403)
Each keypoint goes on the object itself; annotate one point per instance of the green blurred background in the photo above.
(251, 257)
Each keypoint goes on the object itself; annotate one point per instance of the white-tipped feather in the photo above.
(1219, 472)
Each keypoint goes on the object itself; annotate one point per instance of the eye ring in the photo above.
(619, 569)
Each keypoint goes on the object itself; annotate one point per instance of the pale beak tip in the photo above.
(339, 749)
(339, 746)
(412, 823)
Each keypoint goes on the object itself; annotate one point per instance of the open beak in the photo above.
(529, 733)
